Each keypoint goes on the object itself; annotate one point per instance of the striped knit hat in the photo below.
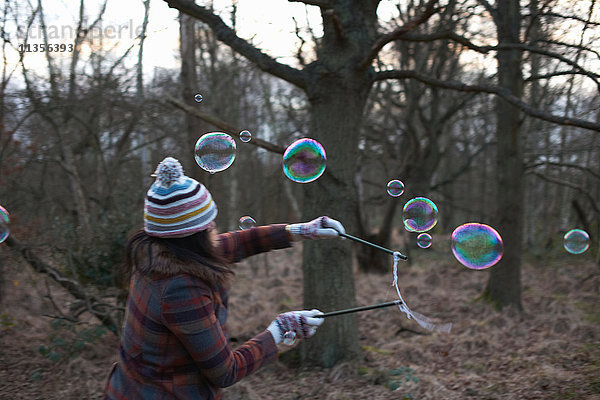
(176, 205)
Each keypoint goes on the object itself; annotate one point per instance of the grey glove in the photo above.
(295, 324)
(319, 228)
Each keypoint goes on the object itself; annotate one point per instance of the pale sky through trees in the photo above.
(269, 26)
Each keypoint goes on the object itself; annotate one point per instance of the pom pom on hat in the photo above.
(168, 171)
(176, 205)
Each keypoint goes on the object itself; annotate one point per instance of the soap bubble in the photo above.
(198, 97)
(419, 215)
(247, 222)
(477, 246)
(245, 136)
(576, 241)
(304, 160)
(215, 151)
(289, 338)
(424, 240)
(4, 220)
(395, 188)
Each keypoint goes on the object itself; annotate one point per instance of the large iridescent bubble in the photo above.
(304, 160)
(215, 151)
(477, 246)
(576, 241)
(419, 214)
(4, 221)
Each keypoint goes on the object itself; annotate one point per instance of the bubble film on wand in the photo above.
(421, 319)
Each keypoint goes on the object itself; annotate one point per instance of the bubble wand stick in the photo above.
(289, 337)
(358, 309)
(402, 256)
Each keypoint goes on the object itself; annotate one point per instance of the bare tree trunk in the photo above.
(504, 284)
(335, 120)
(189, 88)
(144, 162)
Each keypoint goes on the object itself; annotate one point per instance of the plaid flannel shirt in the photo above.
(173, 345)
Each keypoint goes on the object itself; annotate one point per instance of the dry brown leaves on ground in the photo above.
(551, 350)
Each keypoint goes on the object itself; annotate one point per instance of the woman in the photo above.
(173, 344)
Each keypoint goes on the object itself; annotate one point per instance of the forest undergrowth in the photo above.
(550, 350)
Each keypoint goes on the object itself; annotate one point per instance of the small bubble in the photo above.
(245, 136)
(395, 188)
(289, 338)
(198, 97)
(247, 222)
(576, 241)
(4, 221)
(424, 240)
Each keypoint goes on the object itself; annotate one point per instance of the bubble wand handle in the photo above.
(402, 256)
(358, 309)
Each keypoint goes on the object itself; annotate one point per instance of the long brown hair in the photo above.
(196, 249)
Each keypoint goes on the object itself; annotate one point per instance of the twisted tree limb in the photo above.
(496, 90)
(227, 35)
(95, 306)
(224, 126)
(429, 9)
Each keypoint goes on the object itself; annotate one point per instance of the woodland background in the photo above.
(80, 137)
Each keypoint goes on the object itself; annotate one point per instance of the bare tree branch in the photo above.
(428, 11)
(571, 185)
(337, 24)
(72, 286)
(228, 36)
(566, 165)
(489, 8)
(132, 150)
(302, 43)
(498, 91)
(570, 45)
(462, 170)
(557, 15)
(224, 126)
(447, 35)
(486, 49)
(551, 75)
(49, 59)
(593, 76)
